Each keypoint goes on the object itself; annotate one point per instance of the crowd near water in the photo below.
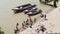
(8, 19)
(29, 23)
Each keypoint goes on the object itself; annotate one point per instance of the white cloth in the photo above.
(15, 8)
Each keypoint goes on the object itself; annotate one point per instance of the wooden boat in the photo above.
(22, 8)
(30, 9)
(35, 12)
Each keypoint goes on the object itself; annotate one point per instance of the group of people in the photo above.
(40, 29)
(28, 23)
(43, 15)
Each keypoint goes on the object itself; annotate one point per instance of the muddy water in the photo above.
(8, 19)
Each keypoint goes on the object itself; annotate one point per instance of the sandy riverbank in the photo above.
(8, 19)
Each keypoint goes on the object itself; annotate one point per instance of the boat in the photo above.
(22, 8)
(35, 12)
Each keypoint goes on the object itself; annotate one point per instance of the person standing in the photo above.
(34, 20)
(45, 17)
(30, 20)
(16, 31)
(43, 29)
